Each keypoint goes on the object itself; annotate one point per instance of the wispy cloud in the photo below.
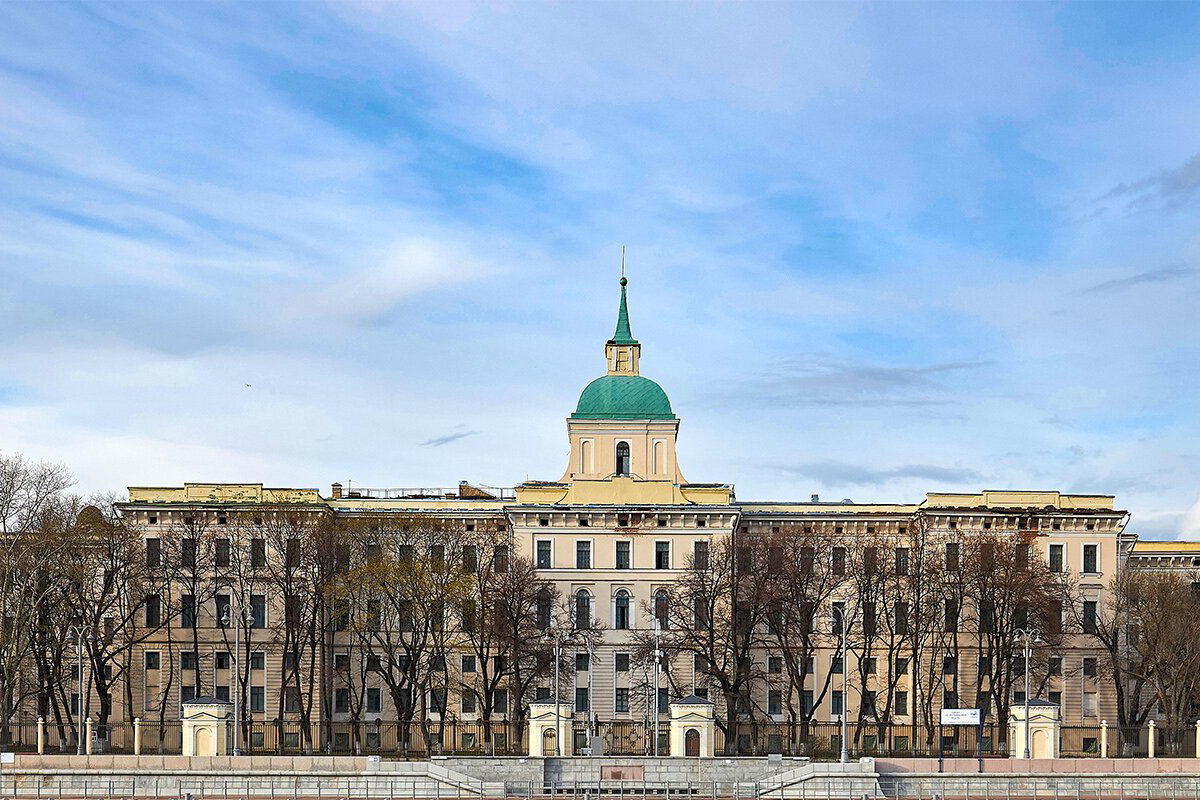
(826, 381)
(439, 441)
(1170, 188)
(839, 473)
(1154, 276)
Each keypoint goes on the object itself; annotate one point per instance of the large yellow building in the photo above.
(622, 528)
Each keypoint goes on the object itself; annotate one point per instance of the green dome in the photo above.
(623, 397)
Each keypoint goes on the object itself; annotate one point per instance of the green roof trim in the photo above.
(623, 336)
(623, 397)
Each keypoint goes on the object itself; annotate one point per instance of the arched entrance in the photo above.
(549, 743)
(691, 742)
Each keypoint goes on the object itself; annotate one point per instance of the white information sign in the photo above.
(960, 716)
(8, 758)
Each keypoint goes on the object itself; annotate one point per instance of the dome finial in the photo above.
(623, 335)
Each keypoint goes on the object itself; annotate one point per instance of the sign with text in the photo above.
(960, 716)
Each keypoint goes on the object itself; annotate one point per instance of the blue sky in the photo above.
(874, 251)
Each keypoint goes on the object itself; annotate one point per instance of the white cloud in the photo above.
(410, 267)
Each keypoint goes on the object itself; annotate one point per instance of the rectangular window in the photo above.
(623, 559)
(258, 553)
(583, 555)
(774, 702)
(500, 701)
(774, 665)
(467, 701)
(835, 665)
(543, 554)
(1090, 705)
(187, 612)
(901, 665)
(153, 611)
(1089, 558)
(154, 552)
(223, 693)
(808, 703)
(700, 555)
(1056, 698)
(500, 559)
(872, 665)
(902, 703)
(950, 616)
(153, 659)
(1089, 616)
(374, 701)
(437, 701)
(1056, 558)
(258, 699)
(187, 553)
(1054, 665)
(258, 661)
(221, 659)
(621, 705)
(901, 619)
(542, 693)
(662, 555)
(292, 557)
(258, 611)
(621, 662)
(222, 555)
(835, 703)
(952, 556)
(582, 662)
(839, 561)
(582, 706)
(341, 701)
(949, 665)
(187, 693)
(664, 701)
(1089, 667)
(901, 560)
(468, 664)
(187, 659)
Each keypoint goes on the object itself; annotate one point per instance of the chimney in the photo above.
(816, 498)
(336, 492)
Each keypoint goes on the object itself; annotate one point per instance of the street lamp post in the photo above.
(559, 637)
(80, 635)
(845, 755)
(1027, 637)
(658, 653)
(237, 619)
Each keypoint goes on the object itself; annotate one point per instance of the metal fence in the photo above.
(818, 740)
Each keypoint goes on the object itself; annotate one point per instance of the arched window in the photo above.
(622, 458)
(660, 609)
(660, 458)
(583, 609)
(621, 617)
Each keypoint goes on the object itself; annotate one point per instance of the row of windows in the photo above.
(223, 551)
(622, 554)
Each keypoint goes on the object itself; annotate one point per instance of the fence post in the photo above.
(89, 736)
(137, 736)
(1150, 741)
(42, 735)
(1198, 738)
(1104, 738)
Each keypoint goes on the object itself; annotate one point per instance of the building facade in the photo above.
(619, 536)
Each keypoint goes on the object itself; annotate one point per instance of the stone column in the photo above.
(42, 736)
(88, 729)
(137, 736)
(1151, 740)
(1104, 738)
